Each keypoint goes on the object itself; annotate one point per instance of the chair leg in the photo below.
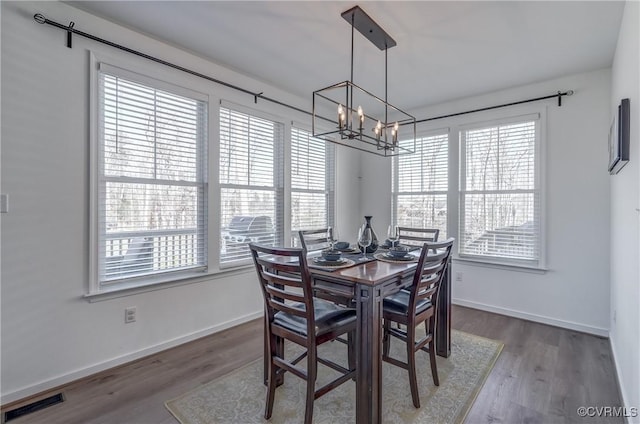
(411, 362)
(271, 382)
(386, 339)
(351, 350)
(432, 358)
(312, 370)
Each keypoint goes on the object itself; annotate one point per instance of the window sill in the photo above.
(124, 290)
(503, 266)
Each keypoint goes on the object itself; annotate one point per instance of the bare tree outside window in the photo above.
(152, 179)
(421, 183)
(500, 199)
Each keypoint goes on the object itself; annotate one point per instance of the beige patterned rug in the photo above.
(239, 397)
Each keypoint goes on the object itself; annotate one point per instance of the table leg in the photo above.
(443, 325)
(368, 355)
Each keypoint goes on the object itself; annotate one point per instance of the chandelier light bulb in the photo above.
(378, 130)
(341, 117)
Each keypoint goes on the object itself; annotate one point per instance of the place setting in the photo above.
(394, 252)
(330, 258)
(341, 254)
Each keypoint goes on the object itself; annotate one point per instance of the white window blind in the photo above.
(251, 184)
(420, 185)
(312, 182)
(152, 190)
(500, 192)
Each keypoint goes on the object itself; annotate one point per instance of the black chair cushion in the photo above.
(328, 317)
(399, 303)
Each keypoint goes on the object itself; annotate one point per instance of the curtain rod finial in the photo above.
(39, 18)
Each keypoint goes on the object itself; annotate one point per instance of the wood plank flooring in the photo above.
(542, 376)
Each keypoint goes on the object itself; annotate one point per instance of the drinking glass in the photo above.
(330, 238)
(364, 240)
(393, 234)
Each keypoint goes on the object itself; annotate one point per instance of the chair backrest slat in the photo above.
(277, 293)
(273, 263)
(417, 236)
(279, 306)
(288, 280)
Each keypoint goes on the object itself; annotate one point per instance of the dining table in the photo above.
(367, 281)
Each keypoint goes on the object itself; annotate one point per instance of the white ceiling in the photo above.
(445, 50)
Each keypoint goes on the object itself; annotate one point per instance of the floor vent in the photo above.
(33, 407)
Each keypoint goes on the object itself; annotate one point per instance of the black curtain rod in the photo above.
(551, 96)
(41, 19)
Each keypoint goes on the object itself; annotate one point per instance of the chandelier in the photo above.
(363, 121)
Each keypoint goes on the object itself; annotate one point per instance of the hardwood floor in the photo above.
(542, 376)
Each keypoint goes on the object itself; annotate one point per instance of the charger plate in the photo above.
(332, 265)
(406, 259)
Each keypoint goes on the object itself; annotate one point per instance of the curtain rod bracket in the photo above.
(255, 97)
(69, 33)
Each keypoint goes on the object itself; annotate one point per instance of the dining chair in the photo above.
(417, 236)
(415, 306)
(313, 240)
(293, 313)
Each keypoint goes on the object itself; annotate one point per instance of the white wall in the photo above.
(50, 333)
(348, 201)
(574, 292)
(625, 215)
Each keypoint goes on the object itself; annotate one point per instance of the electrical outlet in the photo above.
(458, 276)
(130, 314)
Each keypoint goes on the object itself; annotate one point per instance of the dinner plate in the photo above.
(350, 250)
(322, 261)
(406, 258)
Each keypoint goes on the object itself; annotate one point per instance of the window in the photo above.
(420, 184)
(251, 184)
(312, 181)
(151, 179)
(500, 192)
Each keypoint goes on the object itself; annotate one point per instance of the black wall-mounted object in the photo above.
(619, 138)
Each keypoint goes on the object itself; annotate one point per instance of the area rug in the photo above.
(239, 397)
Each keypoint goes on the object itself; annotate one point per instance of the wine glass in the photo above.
(330, 239)
(335, 236)
(364, 240)
(393, 234)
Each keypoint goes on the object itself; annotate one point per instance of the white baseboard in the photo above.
(623, 393)
(597, 331)
(85, 372)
